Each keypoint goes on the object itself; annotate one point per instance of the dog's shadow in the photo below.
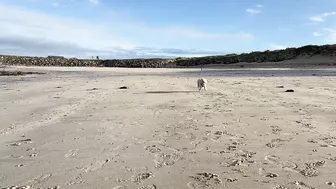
(165, 92)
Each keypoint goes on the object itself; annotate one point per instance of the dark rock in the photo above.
(271, 175)
(93, 89)
(123, 87)
(289, 91)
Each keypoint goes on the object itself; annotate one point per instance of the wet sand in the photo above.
(79, 130)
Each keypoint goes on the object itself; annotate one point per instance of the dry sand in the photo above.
(66, 130)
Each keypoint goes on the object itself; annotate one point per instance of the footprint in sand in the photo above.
(38, 180)
(287, 165)
(71, 153)
(234, 163)
(153, 149)
(7, 130)
(315, 164)
(232, 148)
(280, 187)
(30, 149)
(141, 176)
(231, 180)
(205, 180)
(312, 141)
(264, 118)
(54, 187)
(306, 125)
(246, 154)
(17, 187)
(290, 166)
(302, 185)
(76, 180)
(16, 144)
(275, 129)
(272, 159)
(148, 187)
(311, 170)
(120, 148)
(332, 158)
(163, 159)
(275, 143)
(96, 165)
(120, 187)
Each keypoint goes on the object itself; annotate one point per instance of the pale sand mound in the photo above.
(75, 131)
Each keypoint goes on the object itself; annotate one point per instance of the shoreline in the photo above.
(98, 72)
(121, 69)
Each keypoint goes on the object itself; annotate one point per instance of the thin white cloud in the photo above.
(317, 34)
(330, 35)
(316, 19)
(54, 4)
(28, 32)
(327, 35)
(253, 11)
(94, 1)
(321, 17)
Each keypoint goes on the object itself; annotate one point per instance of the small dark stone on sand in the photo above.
(271, 175)
(123, 87)
(26, 140)
(289, 91)
(93, 89)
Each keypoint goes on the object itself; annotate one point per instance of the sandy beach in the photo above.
(78, 130)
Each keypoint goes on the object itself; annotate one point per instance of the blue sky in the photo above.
(148, 28)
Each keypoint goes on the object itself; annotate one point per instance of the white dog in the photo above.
(202, 83)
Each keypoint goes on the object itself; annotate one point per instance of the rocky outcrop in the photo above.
(307, 52)
(50, 61)
(140, 63)
(59, 61)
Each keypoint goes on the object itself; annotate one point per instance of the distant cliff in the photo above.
(305, 52)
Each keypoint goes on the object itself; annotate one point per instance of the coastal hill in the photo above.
(314, 55)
